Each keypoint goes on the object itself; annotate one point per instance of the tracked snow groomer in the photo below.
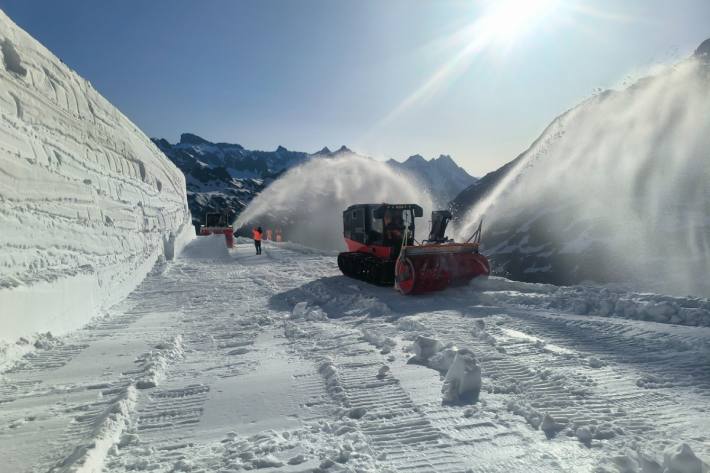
(383, 251)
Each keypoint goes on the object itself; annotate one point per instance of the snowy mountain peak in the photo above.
(191, 139)
(417, 158)
(442, 177)
(703, 51)
(445, 159)
(161, 142)
(226, 176)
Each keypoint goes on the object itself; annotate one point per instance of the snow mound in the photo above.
(108, 428)
(88, 202)
(155, 363)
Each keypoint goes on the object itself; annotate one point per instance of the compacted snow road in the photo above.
(224, 361)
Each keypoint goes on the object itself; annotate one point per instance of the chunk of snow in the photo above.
(313, 314)
(299, 310)
(595, 362)
(550, 426)
(681, 459)
(443, 360)
(382, 372)
(297, 460)
(463, 380)
(268, 461)
(377, 339)
(409, 325)
(356, 412)
(425, 348)
(583, 434)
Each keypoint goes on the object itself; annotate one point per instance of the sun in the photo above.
(505, 21)
(496, 28)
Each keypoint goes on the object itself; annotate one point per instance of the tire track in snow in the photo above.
(101, 426)
(563, 385)
(400, 436)
(637, 345)
(47, 359)
(218, 340)
(609, 382)
(68, 395)
(421, 435)
(544, 363)
(646, 368)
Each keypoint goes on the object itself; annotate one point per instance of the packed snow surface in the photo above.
(87, 202)
(223, 361)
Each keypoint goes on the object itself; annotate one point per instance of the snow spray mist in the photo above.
(307, 202)
(630, 171)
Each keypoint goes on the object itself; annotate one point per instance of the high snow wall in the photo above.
(87, 202)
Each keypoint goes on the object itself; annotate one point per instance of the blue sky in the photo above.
(385, 77)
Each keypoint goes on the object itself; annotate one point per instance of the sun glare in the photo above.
(499, 25)
(504, 21)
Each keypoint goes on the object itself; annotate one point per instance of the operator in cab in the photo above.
(394, 225)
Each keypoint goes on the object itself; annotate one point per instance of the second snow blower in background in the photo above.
(217, 223)
(382, 250)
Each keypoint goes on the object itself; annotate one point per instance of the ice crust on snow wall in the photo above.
(87, 202)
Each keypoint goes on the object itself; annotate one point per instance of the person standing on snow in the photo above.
(256, 234)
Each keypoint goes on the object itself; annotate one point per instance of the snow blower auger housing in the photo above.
(382, 250)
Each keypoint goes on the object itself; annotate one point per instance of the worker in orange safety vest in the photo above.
(256, 234)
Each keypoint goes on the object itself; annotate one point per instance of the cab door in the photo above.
(354, 224)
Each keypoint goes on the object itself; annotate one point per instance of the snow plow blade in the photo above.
(434, 267)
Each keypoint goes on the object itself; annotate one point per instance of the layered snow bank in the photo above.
(605, 301)
(87, 202)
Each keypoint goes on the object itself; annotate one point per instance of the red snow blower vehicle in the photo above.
(383, 251)
(218, 224)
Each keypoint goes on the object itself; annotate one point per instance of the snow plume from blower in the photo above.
(615, 190)
(307, 202)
